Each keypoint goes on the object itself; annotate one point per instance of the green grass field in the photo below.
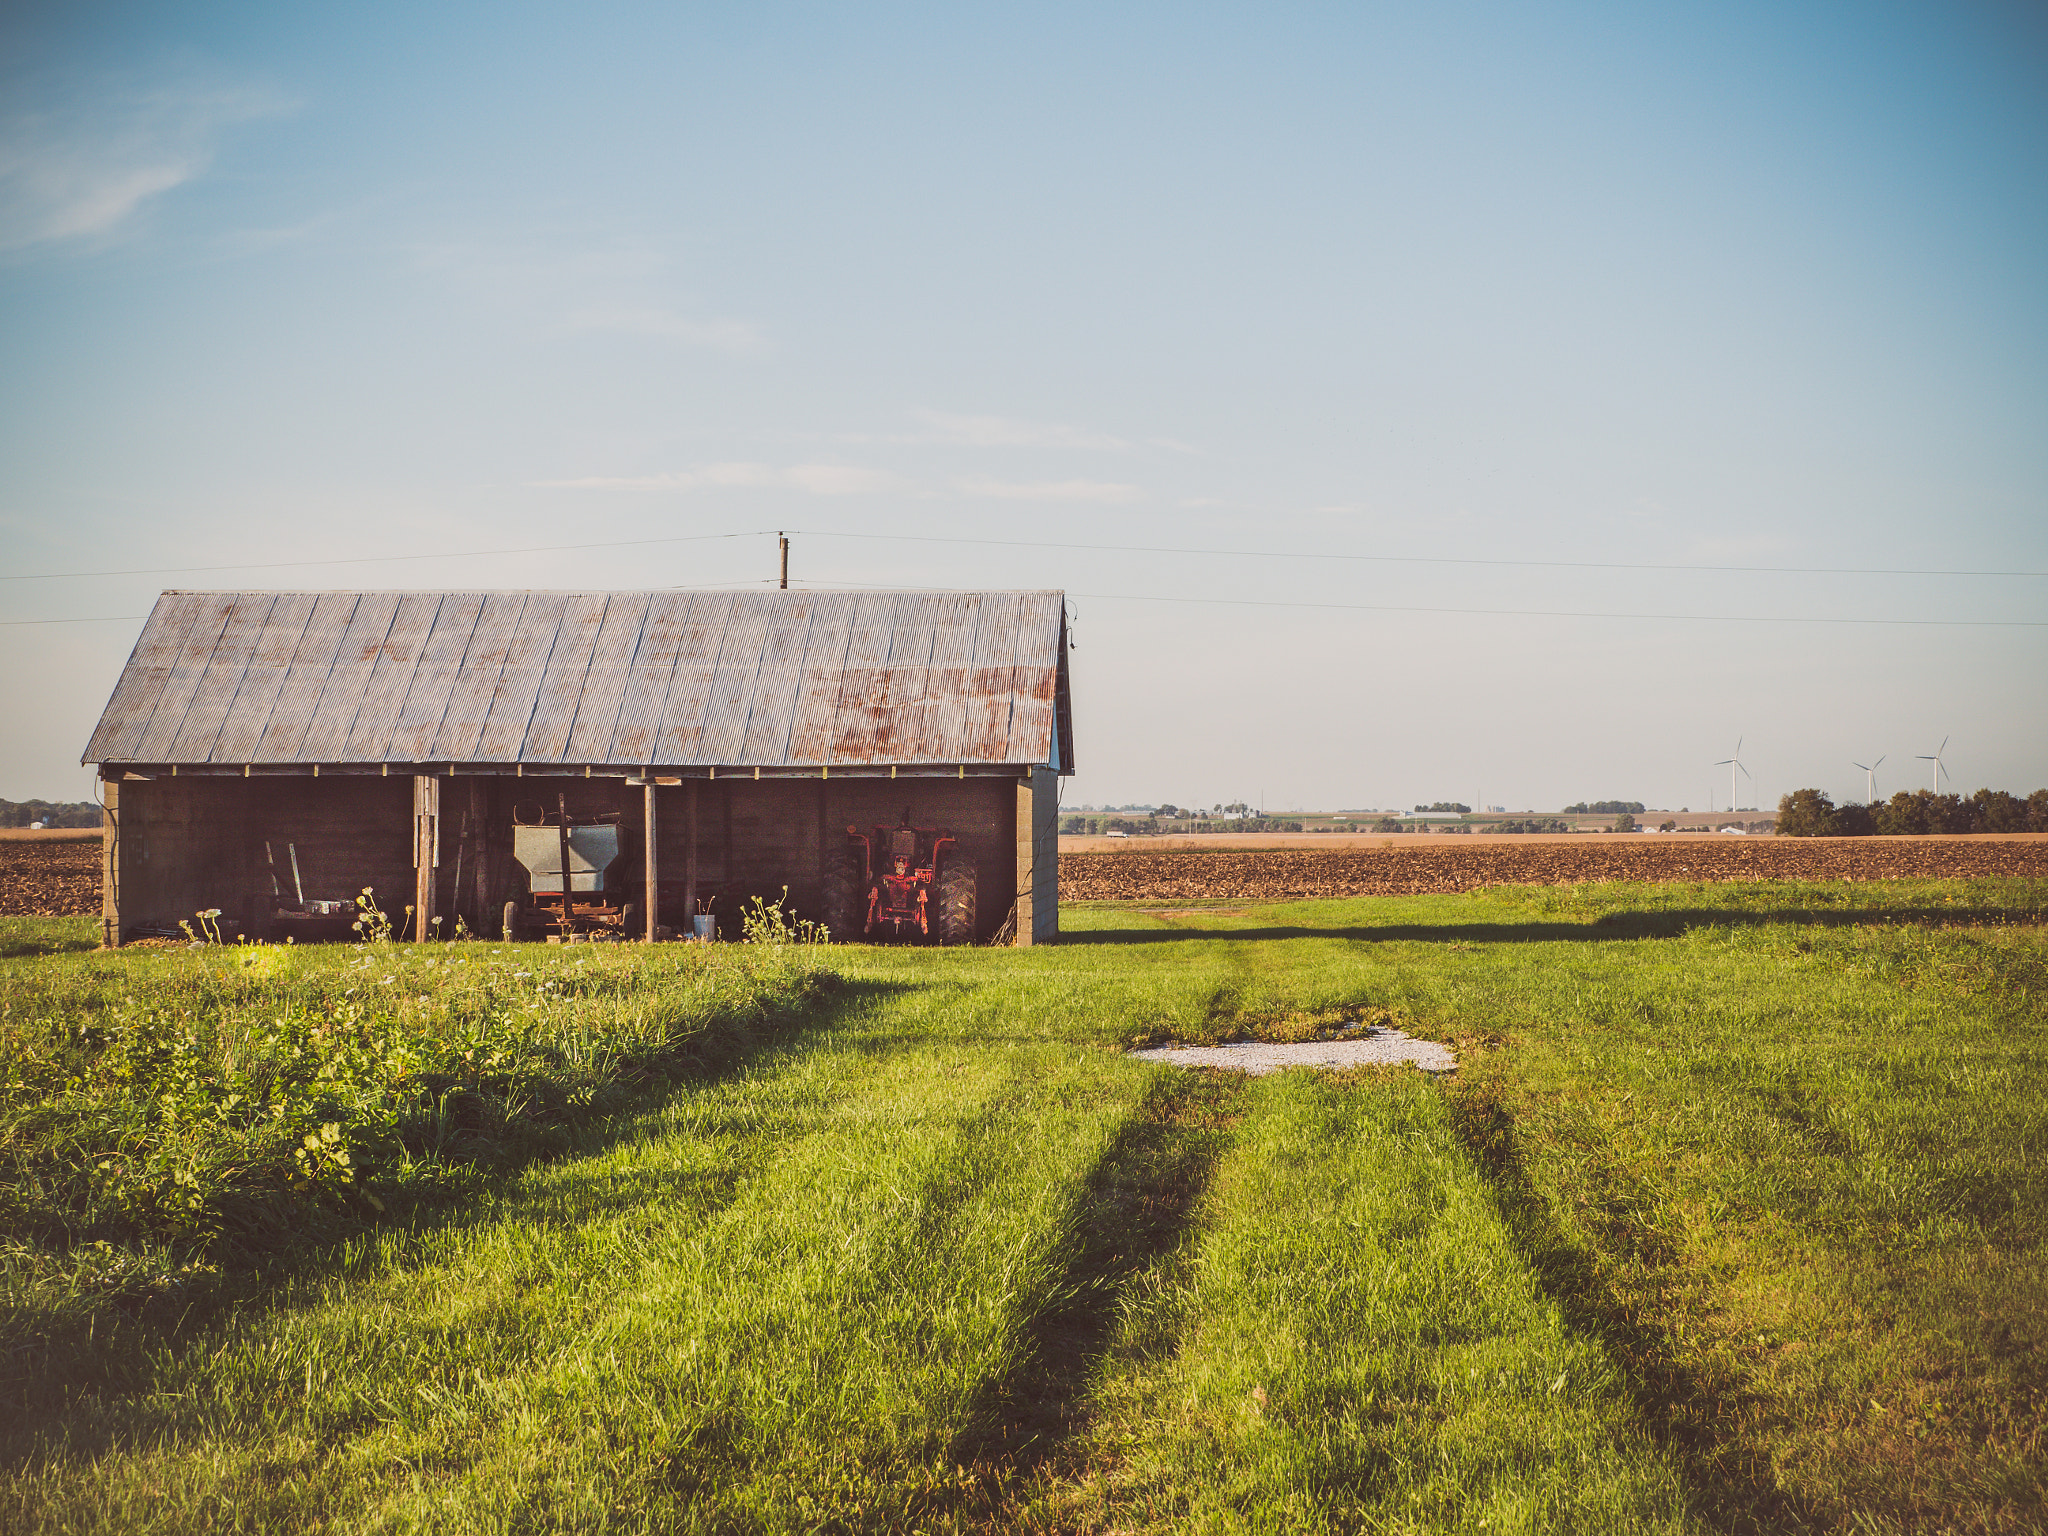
(1734, 1218)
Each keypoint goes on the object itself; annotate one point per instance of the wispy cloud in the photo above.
(1050, 490)
(1010, 432)
(734, 336)
(80, 170)
(815, 479)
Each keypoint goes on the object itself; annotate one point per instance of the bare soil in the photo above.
(49, 877)
(1416, 865)
(60, 877)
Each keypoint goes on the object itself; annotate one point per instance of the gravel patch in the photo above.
(1371, 1047)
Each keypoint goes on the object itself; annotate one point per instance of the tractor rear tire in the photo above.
(841, 897)
(956, 902)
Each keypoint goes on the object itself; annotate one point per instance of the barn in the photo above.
(271, 754)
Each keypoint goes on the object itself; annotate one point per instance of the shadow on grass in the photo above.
(1657, 923)
(23, 938)
(1136, 1210)
(86, 1358)
(1688, 1409)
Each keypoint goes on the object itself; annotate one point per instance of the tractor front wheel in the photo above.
(956, 902)
(841, 895)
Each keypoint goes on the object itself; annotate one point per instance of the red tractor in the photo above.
(902, 882)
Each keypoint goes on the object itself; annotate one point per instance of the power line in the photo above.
(1289, 554)
(453, 554)
(1135, 549)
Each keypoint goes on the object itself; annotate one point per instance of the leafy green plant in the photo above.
(773, 924)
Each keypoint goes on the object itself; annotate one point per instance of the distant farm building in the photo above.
(270, 754)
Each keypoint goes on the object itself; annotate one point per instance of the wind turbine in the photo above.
(1869, 781)
(1734, 767)
(1940, 768)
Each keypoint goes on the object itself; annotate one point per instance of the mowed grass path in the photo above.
(1732, 1219)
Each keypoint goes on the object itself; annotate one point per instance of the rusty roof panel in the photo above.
(475, 682)
(689, 689)
(348, 678)
(626, 679)
(195, 651)
(305, 678)
(561, 684)
(141, 684)
(592, 733)
(647, 680)
(391, 675)
(269, 659)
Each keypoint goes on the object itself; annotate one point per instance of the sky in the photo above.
(1512, 404)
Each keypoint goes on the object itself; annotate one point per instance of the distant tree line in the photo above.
(51, 813)
(1910, 813)
(1605, 808)
(1447, 805)
(1530, 824)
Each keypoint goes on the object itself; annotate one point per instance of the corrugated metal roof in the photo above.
(624, 679)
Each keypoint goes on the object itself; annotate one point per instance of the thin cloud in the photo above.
(1105, 491)
(81, 171)
(1010, 432)
(814, 479)
(735, 336)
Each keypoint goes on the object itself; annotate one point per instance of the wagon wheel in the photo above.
(842, 896)
(956, 902)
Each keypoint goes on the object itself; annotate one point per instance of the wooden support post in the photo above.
(1026, 865)
(652, 892)
(690, 856)
(110, 864)
(426, 852)
(568, 893)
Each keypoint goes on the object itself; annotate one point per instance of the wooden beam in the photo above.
(690, 856)
(652, 886)
(426, 849)
(110, 865)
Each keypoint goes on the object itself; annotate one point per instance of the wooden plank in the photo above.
(985, 728)
(348, 678)
(143, 680)
(263, 678)
(305, 678)
(823, 666)
(433, 679)
(391, 675)
(1034, 682)
(526, 659)
(476, 682)
(905, 695)
(561, 684)
(638, 733)
(732, 682)
(593, 732)
(771, 713)
(689, 690)
(210, 617)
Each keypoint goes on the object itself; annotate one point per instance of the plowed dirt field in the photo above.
(49, 879)
(1295, 874)
(63, 879)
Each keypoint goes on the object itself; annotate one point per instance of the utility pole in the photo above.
(783, 540)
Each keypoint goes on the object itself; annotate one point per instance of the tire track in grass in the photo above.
(809, 1357)
(1361, 1347)
(1027, 1431)
(1683, 1403)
